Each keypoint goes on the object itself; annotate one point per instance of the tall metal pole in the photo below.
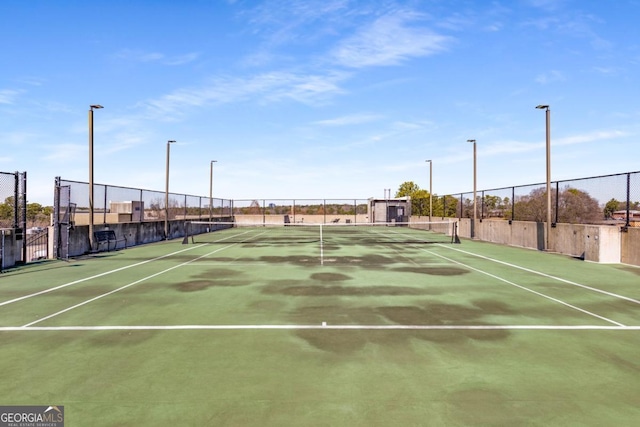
(475, 210)
(548, 149)
(211, 191)
(430, 189)
(166, 194)
(91, 108)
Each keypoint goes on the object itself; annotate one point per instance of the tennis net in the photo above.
(337, 233)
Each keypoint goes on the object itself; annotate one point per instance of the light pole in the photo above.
(548, 132)
(430, 190)
(475, 210)
(166, 194)
(91, 108)
(211, 191)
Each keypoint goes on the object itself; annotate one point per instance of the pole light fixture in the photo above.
(475, 181)
(91, 209)
(548, 145)
(211, 191)
(166, 194)
(430, 189)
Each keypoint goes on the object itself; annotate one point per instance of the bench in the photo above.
(105, 237)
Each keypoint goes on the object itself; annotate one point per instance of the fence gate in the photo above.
(63, 211)
(13, 210)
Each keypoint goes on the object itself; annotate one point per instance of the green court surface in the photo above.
(246, 327)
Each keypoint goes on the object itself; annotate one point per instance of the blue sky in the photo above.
(319, 99)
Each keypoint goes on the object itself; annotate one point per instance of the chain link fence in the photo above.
(124, 204)
(9, 200)
(303, 210)
(608, 199)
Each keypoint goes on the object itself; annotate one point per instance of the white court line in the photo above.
(528, 290)
(519, 286)
(611, 294)
(525, 288)
(321, 247)
(75, 282)
(322, 326)
(124, 287)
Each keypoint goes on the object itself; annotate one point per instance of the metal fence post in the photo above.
(627, 223)
(553, 224)
(23, 205)
(104, 207)
(513, 203)
(15, 199)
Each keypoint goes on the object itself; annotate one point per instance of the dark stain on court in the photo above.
(435, 314)
(434, 271)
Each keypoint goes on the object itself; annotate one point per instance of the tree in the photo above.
(7, 208)
(446, 207)
(532, 207)
(419, 197)
(611, 206)
(407, 188)
(577, 207)
(574, 206)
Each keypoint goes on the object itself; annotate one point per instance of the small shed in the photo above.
(130, 211)
(389, 210)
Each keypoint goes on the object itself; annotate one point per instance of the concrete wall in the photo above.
(10, 249)
(630, 243)
(136, 233)
(596, 243)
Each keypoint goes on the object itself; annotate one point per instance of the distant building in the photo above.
(634, 217)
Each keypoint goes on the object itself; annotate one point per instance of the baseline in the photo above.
(321, 326)
(548, 276)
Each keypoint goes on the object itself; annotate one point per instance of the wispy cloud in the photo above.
(141, 56)
(354, 119)
(607, 70)
(281, 22)
(182, 59)
(390, 40)
(551, 76)
(569, 22)
(137, 55)
(594, 136)
(8, 96)
(507, 147)
(547, 5)
(19, 137)
(63, 152)
(264, 88)
(32, 81)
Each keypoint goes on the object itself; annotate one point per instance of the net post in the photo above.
(187, 226)
(455, 238)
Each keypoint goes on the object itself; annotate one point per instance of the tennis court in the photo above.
(331, 326)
